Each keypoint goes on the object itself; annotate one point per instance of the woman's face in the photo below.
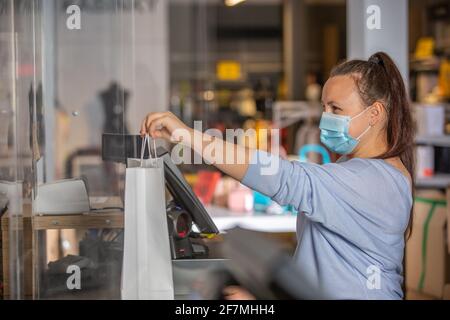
(340, 96)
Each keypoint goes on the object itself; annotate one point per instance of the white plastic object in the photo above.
(62, 197)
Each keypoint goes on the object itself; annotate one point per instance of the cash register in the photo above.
(188, 221)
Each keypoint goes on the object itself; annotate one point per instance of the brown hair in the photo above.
(379, 79)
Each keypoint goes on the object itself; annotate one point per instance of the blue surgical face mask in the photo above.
(334, 133)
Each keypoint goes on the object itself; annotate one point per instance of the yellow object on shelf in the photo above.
(425, 48)
(444, 78)
(229, 70)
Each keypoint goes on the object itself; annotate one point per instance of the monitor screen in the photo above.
(184, 196)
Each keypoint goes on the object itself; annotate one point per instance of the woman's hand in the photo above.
(167, 126)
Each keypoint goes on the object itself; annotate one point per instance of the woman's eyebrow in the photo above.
(329, 102)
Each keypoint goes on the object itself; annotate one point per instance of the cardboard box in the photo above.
(427, 256)
(448, 219)
(446, 295)
(414, 295)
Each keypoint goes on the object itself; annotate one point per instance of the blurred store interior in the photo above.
(254, 64)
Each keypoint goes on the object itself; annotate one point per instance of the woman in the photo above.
(354, 214)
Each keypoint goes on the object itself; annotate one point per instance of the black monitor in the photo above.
(119, 148)
(184, 196)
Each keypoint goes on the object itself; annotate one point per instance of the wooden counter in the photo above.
(29, 226)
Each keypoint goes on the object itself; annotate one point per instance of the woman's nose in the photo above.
(327, 109)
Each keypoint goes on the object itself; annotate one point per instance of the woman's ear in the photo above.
(377, 113)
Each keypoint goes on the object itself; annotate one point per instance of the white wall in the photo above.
(126, 46)
(391, 38)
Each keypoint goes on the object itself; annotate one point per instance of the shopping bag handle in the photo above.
(145, 143)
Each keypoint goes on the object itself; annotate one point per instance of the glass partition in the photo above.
(71, 72)
(22, 137)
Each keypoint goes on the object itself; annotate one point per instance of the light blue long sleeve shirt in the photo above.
(351, 223)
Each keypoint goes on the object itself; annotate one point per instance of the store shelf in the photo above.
(286, 113)
(439, 181)
(436, 141)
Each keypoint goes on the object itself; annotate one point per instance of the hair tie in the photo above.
(376, 60)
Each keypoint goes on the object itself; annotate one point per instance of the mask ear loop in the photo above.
(360, 114)
(365, 131)
(362, 134)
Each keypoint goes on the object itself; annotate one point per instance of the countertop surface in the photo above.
(225, 219)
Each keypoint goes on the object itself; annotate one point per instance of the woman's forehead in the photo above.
(340, 88)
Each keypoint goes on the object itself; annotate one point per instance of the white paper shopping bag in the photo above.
(147, 265)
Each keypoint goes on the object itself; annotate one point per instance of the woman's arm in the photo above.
(165, 125)
(312, 189)
(285, 182)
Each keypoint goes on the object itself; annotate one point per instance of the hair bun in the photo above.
(376, 59)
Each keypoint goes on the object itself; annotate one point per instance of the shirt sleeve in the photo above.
(332, 194)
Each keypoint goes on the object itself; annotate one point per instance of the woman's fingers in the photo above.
(157, 124)
(162, 134)
(146, 123)
(143, 127)
(151, 118)
(165, 125)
